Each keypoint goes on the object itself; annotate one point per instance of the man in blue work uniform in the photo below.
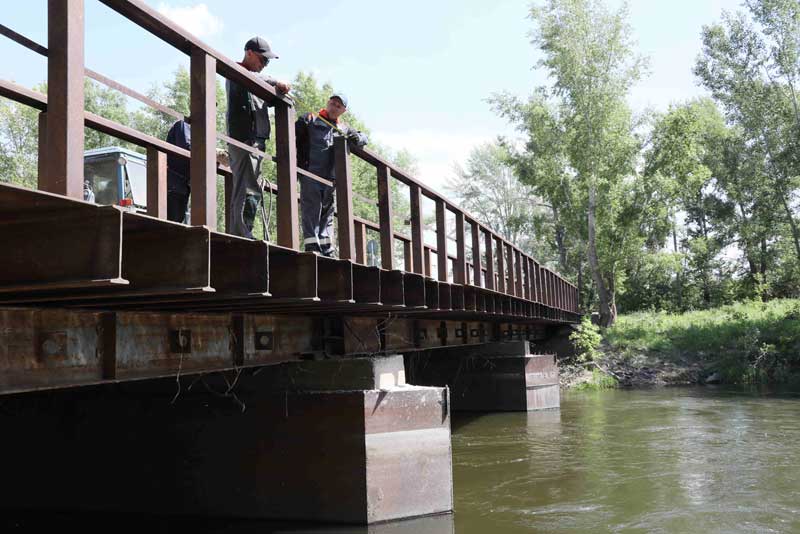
(248, 121)
(315, 135)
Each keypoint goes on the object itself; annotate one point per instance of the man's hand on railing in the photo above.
(283, 87)
(222, 158)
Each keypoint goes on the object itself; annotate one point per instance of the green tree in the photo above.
(588, 55)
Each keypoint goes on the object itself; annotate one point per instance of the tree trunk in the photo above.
(607, 315)
(792, 222)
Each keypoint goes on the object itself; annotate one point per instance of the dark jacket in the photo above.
(247, 116)
(314, 140)
(177, 167)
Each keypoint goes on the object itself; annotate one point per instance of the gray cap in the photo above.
(340, 96)
(260, 46)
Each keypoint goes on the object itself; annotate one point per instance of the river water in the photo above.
(666, 460)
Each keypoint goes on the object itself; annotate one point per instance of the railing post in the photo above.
(228, 185)
(518, 272)
(477, 270)
(489, 260)
(286, 155)
(427, 262)
(407, 260)
(460, 270)
(501, 271)
(416, 228)
(41, 167)
(202, 168)
(63, 171)
(344, 200)
(385, 218)
(526, 269)
(511, 287)
(441, 240)
(156, 183)
(361, 243)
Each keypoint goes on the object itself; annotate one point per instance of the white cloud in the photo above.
(436, 151)
(196, 19)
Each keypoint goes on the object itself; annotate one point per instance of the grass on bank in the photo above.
(745, 342)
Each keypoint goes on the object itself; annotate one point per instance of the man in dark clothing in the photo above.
(248, 122)
(315, 136)
(178, 184)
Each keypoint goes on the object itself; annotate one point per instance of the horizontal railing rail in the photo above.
(494, 263)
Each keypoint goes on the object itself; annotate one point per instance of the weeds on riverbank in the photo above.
(747, 342)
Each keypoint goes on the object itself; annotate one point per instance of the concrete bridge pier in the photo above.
(503, 376)
(340, 440)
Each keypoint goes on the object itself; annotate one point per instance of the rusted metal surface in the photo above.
(156, 183)
(366, 284)
(392, 293)
(36, 227)
(64, 169)
(202, 170)
(344, 200)
(416, 229)
(286, 152)
(385, 217)
(334, 280)
(414, 290)
(297, 272)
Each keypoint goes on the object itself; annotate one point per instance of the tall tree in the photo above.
(588, 55)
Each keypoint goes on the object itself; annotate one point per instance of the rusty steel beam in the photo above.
(414, 290)
(366, 284)
(293, 274)
(470, 298)
(334, 280)
(392, 292)
(457, 297)
(445, 296)
(431, 294)
(36, 227)
(239, 266)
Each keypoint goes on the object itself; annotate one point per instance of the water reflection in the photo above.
(663, 460)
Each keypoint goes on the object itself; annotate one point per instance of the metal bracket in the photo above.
(180, 341)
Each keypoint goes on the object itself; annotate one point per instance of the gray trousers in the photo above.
(246, 192)
(317, 206)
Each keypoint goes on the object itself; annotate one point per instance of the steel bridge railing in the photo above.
(496, 264)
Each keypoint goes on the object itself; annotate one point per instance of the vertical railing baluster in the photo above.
(344, 200)
(407, 259)
(41, 161)
(156, 183)
(460, 270)
(228, 185)
(501, 272)
(518, 272)
(63, 173)
(202, 168)
(385, 217)
(416, 228)
(477, 268)
(527, 272)
(428, 262)
(361, 243)
(286, 165)
(441, 240)
(489, 245)
(511, 287)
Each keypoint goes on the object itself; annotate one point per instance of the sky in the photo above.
(417, 72)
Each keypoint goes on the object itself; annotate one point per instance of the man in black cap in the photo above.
(248, 122)
(314, 136)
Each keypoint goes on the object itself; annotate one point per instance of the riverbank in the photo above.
(748, 342)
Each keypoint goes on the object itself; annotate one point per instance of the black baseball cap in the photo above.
(260, 46)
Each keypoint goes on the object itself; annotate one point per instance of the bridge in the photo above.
(141, 332)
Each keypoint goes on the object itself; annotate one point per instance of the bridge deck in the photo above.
(78, 281)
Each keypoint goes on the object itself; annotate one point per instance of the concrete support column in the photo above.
(335, 441)
(489, 377)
